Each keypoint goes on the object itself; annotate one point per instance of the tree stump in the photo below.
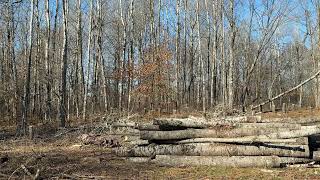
(284, 108)
(31, 132)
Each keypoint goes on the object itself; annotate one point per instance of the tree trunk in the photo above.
(84, 111)
(245, 140)
(101, 59)
(303, 132)
(317, 59)
(195, 122)
(47, 62)
(215, 150)
(223, 68)
(147, 127)
(288, 91)
(288, 120)
(28, 81)
(200, 61)
(213, 133)
(64, 100)
(316, 156)
(232, 56)
(269, 125)
(79, 74)
(222, 161)
(177, 54)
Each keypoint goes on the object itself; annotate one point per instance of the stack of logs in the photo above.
(232, 141)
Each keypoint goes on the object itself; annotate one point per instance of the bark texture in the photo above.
(223, 161)
(245, 140)
(216, 150)
(276, 133)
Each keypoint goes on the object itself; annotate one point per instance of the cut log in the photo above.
(296, 120)
(216, 150)
(268, 125)
(199, 122)
(148, 127)
(123, 124)
(206, 133)
(186, 122)
(316, 156)
(303, 132)
(139, 142)
(223, 161)
(31, 132)
(245, 140)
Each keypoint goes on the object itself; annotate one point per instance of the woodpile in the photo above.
(231, 141)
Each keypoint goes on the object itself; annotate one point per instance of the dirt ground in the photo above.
(64, 157)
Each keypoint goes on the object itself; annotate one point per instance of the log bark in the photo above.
(140, 126)
(303, 132)
(139, 142)
(216, 150)
(186, 122)
(195, 122)
(268, 125)
(316, 156)
(223, 161)
(123, 124)
(245, 140)
(207, 133)
(148, 126)
(295, 120)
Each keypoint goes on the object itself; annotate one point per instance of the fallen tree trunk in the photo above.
(148, 127)
(245, 140)
(223, 161)
(288, 91)
(206, 133)
(216, 150)
(123, 124)
(303, 132)
(139, 142)
(268, 125)
(296, 120)
(186, 122)
(194, 122)
(316, 156)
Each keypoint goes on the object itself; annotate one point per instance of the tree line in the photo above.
(73, 58)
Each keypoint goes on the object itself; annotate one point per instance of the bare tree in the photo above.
(177, 53)
(63, 96)
(28, 80)
(231, 54)
(89, 63)
(47, 61)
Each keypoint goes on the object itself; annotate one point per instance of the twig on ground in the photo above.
(14, 173)
(24, 168)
